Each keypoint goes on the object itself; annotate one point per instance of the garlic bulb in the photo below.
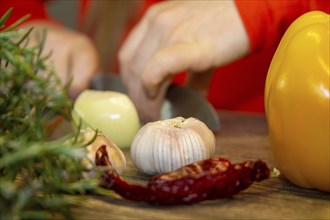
(116, 156)
(167, 145)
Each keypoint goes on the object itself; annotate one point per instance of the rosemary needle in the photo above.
(39, 177)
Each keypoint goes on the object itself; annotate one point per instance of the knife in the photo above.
(179, 101)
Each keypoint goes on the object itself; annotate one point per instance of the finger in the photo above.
(172, 60)
(129, 47)
(84, 64)
(59, 60)
(149, 109)
(137, 34)
(144, 51)
(200, 81)
(59, 56)
(160, 28)
(142, 40)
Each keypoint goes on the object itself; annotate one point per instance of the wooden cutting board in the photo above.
(242, 137)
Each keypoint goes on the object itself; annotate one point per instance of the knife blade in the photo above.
(179, 101)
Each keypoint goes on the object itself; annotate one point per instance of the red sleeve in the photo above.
(36, 9)
(266, 21)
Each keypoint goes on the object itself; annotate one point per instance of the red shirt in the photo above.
(239, 85)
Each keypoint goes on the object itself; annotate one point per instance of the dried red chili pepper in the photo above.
(214, 178)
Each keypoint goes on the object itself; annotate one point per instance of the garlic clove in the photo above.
(164, 146)
(116, 156)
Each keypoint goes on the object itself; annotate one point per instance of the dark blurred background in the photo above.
(66, 11)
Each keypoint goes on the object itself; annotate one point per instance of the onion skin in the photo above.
(111, 112)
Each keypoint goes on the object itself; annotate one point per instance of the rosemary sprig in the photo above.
(39, 177)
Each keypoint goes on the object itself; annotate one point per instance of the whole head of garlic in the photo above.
(116, 156)
(164, 146)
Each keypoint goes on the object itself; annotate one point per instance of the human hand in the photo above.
(178, 36)
(73, 54)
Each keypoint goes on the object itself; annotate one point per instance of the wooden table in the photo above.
(242, 137)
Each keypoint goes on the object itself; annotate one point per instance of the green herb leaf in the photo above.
(40, 177)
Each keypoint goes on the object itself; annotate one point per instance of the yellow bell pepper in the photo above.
(297, 101)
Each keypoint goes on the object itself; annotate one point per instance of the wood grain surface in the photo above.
(242, 137)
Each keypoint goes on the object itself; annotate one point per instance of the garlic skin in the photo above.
(116, 156)
(164, 146)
